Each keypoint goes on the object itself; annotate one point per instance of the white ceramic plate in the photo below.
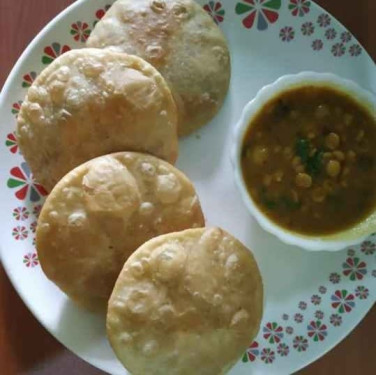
(313, 300)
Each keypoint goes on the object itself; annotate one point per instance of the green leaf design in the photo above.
(14, 183)
(272, 4)
(242, 8)
(47, 60)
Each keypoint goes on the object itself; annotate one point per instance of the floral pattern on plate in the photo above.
(215, 10)
(260, 13)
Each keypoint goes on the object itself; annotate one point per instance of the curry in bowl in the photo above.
(308, 160)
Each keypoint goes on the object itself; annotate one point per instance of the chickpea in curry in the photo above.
(309, 160)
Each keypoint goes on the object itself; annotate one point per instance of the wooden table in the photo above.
(25, 346)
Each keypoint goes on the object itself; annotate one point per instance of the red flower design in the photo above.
(338, 49)
(289, 330)
(215, 10)
(317, 330)
(11, 142)
(20, 233)
(259, 12)
(252, 352)
(36, 210)
(299, 7)
(322, 289)
(319, 314)
(354, 268)
(302, 305)
(20, 213)
(283, 349)
(80, 31)
(31, 260)
(334, 278)
(330, 34)
(287, 34)
(53, 51)
(307, 28)
(33, 227)
(22, 180)
(300, 343)
(267, 355)
(298, 318)
(315, 299)
(324, 20)
(317, 45)
(16, 107)
(362, 292)
(346, 37)
(355, 50)
(336, 320)
(273, 332)
(28, 79)
(368, 247)
(342, 300)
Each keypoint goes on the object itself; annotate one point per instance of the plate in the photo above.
(312, 300)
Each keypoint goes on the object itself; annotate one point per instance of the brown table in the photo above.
(25, 346)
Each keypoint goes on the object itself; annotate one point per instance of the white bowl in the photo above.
(331, 242)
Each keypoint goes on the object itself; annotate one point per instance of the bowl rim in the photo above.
(284, 83)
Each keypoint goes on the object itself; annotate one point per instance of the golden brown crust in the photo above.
(102, 211)
(186, 302)
(182, 42)
(92, 102)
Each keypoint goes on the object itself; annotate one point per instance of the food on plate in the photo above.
(309, 160)
(182, 42)
(103, 210)
(92, 102)
(185, 302)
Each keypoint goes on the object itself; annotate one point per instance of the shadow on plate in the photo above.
(201, 153)
(288, 271)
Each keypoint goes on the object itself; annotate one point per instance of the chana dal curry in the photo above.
(309, 160)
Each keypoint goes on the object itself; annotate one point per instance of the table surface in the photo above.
(25, 346)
